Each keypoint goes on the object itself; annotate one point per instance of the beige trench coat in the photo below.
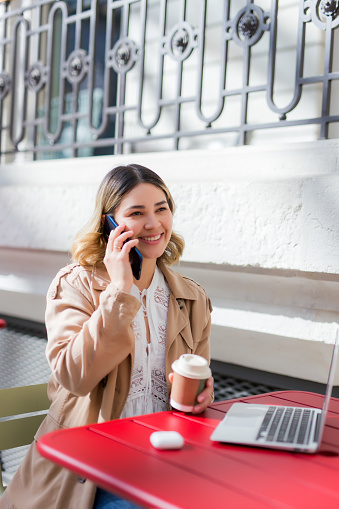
(91, 353)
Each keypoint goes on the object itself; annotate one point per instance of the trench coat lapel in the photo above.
(178, 317)
(177, 321)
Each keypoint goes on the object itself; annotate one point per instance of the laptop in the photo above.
(289, 428)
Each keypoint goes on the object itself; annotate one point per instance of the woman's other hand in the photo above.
(204, 399)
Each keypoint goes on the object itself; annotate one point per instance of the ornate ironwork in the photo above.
(110, 76)
(329, 7)
(5, 84)
(76, 66)
(123, 55)
(180, 42)
(248, 26)
(35, 78)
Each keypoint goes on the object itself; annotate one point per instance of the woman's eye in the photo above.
(162, 209)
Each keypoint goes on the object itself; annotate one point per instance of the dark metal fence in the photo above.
(91, 77)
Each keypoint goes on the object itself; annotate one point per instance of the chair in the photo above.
(20, 430)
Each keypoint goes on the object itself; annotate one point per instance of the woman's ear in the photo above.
(103, 218)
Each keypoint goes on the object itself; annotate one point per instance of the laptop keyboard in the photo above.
(286, 425)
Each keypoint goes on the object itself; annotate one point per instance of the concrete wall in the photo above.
(262, 235)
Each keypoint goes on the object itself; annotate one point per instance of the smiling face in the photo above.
(145, 211)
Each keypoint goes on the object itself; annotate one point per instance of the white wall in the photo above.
(262, 235)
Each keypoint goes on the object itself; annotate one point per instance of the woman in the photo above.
(112, 338)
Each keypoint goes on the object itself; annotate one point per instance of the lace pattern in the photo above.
(148, 392)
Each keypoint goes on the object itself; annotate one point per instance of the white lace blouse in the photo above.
(148, 392)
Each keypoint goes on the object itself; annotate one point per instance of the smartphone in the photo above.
(135, 257)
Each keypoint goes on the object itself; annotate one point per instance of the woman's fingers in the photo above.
(119, 237)
(205, 397)
(114, 234)
(116, 258)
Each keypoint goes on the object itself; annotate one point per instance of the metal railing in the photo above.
(90, 77)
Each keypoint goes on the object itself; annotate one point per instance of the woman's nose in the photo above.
(151, 222)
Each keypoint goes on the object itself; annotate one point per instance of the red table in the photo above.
(118, 456)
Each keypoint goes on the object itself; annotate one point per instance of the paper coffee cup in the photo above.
(189, 380)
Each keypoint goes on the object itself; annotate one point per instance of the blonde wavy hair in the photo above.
(89, 245)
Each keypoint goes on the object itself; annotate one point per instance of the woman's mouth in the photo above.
(152, 238)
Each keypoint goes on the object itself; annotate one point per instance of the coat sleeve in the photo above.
(87, 340)
(202, 343)
(201, 336)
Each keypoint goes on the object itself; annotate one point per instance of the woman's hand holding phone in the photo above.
(116, 258)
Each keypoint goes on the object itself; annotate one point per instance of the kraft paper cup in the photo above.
(190, 375)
